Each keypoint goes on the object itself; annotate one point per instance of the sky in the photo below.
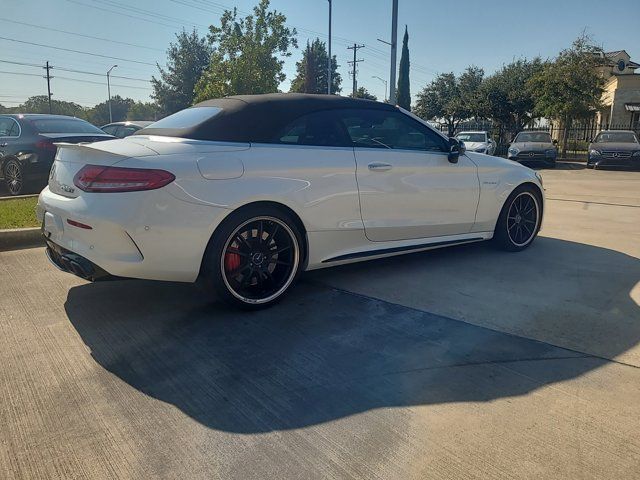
(443, 37)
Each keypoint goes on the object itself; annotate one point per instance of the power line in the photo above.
(79, 34)
(21, 73)
(101, 83)
(136, 17)
(77, 71)
(77, 51)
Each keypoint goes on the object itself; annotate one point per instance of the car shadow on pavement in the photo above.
(322, 354)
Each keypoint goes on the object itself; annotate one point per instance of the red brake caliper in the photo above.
(231, 261)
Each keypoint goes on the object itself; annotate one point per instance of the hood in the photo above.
(482, 160)
(535, 146)
(474, 145)
(616, 146)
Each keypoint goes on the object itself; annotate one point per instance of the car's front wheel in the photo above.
(519, 220)
(254, 257)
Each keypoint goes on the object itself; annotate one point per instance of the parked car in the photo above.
(27, 145)
(479, 142)
(616, 148)
(244, 193)
(533, 148)
(124, 129)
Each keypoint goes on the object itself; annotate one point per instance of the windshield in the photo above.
(533, 137)
(187, 118)
(616, 137)
(63, 125)
(472, 137)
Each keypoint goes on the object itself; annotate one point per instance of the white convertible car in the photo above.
(243, 193)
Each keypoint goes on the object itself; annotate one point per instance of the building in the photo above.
(621, 97)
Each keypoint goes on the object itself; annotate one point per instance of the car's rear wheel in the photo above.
(519, 220)
(254, 257)
(13, 177)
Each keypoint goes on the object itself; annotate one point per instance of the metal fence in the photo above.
(578, 139)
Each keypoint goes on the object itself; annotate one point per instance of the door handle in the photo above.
(379, 166)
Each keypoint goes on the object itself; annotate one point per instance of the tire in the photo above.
(254, 257)
(517, 226)
(13, 177)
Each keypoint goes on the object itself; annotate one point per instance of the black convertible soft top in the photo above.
(258, 118)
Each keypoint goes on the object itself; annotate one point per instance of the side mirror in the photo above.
(456, 148)
(555, 142)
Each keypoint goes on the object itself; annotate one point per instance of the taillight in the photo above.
(100, 179)
(46, 145)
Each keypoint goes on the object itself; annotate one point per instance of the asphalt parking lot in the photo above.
(459, 363)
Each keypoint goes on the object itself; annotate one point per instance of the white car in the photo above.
(244, 193)
(479, 142)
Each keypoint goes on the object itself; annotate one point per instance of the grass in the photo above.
(18, 213)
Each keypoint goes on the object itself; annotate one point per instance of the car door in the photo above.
(408, 188)
(9, 132)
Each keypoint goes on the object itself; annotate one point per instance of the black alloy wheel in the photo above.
(252, 259)
(13, 177)
(519, 220)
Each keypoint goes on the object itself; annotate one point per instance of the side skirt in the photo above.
(408, 248)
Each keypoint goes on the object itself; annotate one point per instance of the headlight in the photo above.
(636, 154)
(514, 151)
(594, 153)
(539, 177)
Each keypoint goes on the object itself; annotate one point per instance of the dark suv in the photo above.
(27, 145)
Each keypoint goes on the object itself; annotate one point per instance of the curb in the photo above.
(16, 238)
(17, 197)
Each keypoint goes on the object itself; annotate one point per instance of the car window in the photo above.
(471, 137)
(390, 129)
(535, 137)
(110, 129)
(63, 125)
(126, 130)
(8, 127)
(319, 128)
(187, 118)
(616, 137)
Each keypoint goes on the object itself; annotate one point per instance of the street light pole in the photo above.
(329, 62)
(109, 92)
(385, 85)
(394, 50)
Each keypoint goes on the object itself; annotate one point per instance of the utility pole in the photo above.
(49, 77)
(394, 52)
(109, 92)
(355, 62)
(329, 62)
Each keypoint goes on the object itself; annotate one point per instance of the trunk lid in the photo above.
(71, 157)
(76, 137)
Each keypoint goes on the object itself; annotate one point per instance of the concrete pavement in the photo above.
(459, 363)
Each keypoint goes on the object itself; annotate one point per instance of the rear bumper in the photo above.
(146, 235)
(70, 262)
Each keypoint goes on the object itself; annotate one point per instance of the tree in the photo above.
(363, 93)
(40, 104)
(187, 60)
(144, 111)
(99, 115)
(311, 70)
(247, 55)
(450, 99)
(570, 88)
(404, 89)
(506, 96)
